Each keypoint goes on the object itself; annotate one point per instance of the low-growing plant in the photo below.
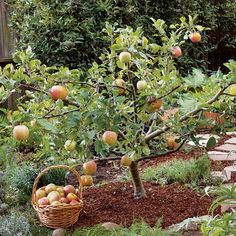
(139, 228)
(14, 224)
(182, 171)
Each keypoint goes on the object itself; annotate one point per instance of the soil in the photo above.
(114, 202)
(220, 165)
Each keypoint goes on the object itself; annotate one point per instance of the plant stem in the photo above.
(139, 191)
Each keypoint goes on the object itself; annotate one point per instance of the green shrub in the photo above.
(70, 32)
(191, 171)
(14, 224)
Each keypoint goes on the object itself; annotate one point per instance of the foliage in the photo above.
(136, 229)
(3, 189)
(220, 225)
(14, 224)
(96, 104)
(70, 32)
(191, 171)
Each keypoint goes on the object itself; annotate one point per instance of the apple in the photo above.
(58, 92)
(50, 187)
(64, 200)
(121, 84)
(109, 137)
(71, 196)
(70, 145)
(154, 106)
(58, 232)
(195, 37)
(232, 89)
(141, 85)
(69, 189)
(40, 193)
(176, 51)
(87, 180)
(33, 122)
(125, 57)
(171, 142)
(125, 160)
(53, 196)
(21, 132)
(56, 203)
(74, 202)
(89, 168)
(43, 201)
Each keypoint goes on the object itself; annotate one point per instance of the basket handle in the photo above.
(71, 169)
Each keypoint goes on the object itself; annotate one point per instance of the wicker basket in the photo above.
(61, 216)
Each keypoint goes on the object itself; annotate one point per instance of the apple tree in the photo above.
(133, 106)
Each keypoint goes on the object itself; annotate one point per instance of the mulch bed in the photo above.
(220, 165)
(114, 202)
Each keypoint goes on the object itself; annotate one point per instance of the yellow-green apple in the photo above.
(125, 57)
(40, 193)
(58, 92)
(71, 196)
(195, 37)
(33, 122)
(70, 145)
(141, 85)
(125, 160)
(109, 137)
(232, 89)
(43, 201)
(69, 189)
(121, 84)
(176, 51)
(21, 132)
(56, 203)
(53, 196)
(50, 187)
(87, 180)
(89, 168)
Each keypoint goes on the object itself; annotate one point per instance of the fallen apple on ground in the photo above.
(89, 168)
(21, 132)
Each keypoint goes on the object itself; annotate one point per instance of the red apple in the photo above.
(109, 137)
(195, 37)
(21, 132)
(74, 202)
(58, 92)
(89, 167)
(64, 200)
(176, 51)
(43, 201)
(69, 189)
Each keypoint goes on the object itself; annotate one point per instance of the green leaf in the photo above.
(98, 146)
(211, 143)
(187, 104)
(47, 125)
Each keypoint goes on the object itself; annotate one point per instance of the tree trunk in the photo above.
(139, 191)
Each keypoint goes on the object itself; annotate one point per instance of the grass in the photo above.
(185, 172)
(136, 229)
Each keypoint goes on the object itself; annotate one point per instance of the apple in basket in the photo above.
(53, 196)
(69, 189)
(60, 190)
(43, 201)
(40, 193)
(64, 200)
(56, 203)
(74, 202)
(71, 196)
(50, 187)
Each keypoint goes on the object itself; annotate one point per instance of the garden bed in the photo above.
(115, 202)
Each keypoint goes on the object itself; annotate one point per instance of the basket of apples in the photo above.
(57, 206)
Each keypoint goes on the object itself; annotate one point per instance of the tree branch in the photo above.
(59, 115)
(161, 154)
(30, 88)
(169, 92)
(74, 82)
(185, 117)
